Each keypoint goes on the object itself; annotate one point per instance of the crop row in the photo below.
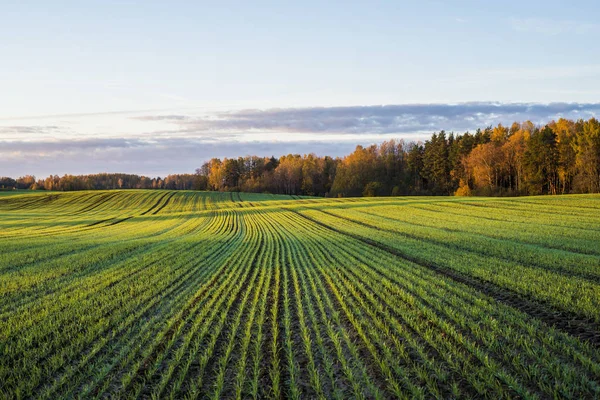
(156, 294)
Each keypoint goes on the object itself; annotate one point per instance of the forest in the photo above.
(521, 159)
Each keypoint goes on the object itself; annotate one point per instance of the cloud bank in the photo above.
(154, 158)
(389, 119)
(175, 142)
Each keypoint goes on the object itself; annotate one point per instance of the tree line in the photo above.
(523, 159)
(101, 181)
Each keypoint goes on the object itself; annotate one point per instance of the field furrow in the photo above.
(202, 295)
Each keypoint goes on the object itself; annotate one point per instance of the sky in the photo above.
(159, 87)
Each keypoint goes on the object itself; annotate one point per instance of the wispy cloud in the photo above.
(553, 27)
(162, 118)
(390, 119)
(29, 129)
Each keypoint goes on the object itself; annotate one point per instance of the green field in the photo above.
(159, 294)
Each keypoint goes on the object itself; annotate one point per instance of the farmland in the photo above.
(163, 294)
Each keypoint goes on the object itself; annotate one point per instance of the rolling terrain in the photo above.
(165, 294)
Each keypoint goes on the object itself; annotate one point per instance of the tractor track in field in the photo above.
(566, 273)
(156, 204)
(29, 203)
(449, 209)
(431, 349)
(120, 221)
(474, 233)
(565, 321)
(98, 222)
(97, 202)
(167, 200)
(234, 201)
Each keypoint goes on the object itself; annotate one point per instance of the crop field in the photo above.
(163, 294)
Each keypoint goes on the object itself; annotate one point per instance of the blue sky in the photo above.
(90, 76)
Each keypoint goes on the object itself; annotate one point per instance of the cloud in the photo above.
(28, 130)
(155, 157)
(58, 146)
(184, 142)
(553, 27)
(161, 118)
(77, 115)
(388, 119)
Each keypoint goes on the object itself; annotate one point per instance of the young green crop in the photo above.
(164, 294)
